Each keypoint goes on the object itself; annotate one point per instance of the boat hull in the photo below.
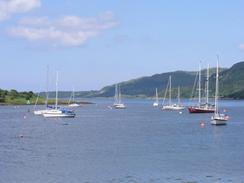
(40, 112)
(200, 110)
(59, 114)
(218, 122)
(173, 107)
(155, 104)
(219, 119)
(73, 105)
(119, 106)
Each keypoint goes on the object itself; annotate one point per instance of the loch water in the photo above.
(141, 144)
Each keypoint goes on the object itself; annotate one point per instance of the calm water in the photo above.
(141, 144)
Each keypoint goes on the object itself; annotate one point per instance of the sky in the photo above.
(97, 43)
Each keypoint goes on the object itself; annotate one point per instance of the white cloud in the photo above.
(9, 7)
(241, 46)
(40, 21)
(53, 35)
(101, 22)
(65, 31)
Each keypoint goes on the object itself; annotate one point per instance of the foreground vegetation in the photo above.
(17, 98)
(14, 97)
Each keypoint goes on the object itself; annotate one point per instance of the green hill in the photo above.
(141, 87)
(232, 81)
(231, 84)
(145, 86)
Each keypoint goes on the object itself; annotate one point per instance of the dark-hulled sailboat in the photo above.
(202, 107)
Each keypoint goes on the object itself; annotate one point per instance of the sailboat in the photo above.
(156, 103)
(218, 118)
(117, 99)
(171, 106)
(72, 99)
(178, 106)
(57, 112)
(40, 112)
(206, 107)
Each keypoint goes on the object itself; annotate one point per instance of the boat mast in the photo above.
(37, 98)
(166, 92)
(199, 85)
(170, 90)
(207, 86)
(178, 95)
(119, 95)
(217, 87)
(73, 94)
(56, 102)
(156, 95)
(116, 94)
(47, 87)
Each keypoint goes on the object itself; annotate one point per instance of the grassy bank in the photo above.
(14, 97)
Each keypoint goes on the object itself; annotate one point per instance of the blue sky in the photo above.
(96, 43)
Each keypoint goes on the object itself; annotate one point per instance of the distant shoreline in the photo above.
(160, 98)
(64, 102)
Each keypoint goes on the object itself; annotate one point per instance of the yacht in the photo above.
(58, 112)
(202, 107)
(72, 102)
(171, 106)
(218, 118)
(117, 99)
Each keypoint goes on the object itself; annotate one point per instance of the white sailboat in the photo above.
(218, 118)
(156, 103)
(72, 102)
(117, 99)
(179, 105)
(42, 111)
(57, 112)
(171, 106)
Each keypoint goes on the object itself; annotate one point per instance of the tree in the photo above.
(13, 94)
(3, 93)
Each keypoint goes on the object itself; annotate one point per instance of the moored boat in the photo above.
(72, 103)
(58, 112)
(202, 107)
(218, 118)
(117, 99)
(170, 106)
